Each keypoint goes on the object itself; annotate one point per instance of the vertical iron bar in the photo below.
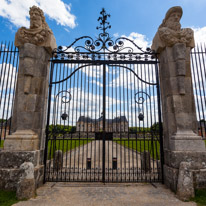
(5, 87)
(95, 126)
(104, 110)
(135, 128)
(112, 119)
(48, 120)
(116, 75)
(108, 124)
(2, 79)
(160, 121)
(195, 83)
(151, 119)
(128, 120)
(131, 112)
(12, 82)
(203, 71)
(119, 124)
(80, 125)
(14, 89)
(92, 122)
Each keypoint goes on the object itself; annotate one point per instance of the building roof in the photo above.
(120, 119)
(85, 119)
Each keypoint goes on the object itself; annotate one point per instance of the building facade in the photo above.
(87, 124)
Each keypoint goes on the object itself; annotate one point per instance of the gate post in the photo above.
(182, 145)
(26, 143)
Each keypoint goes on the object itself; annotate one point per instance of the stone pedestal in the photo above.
(182, 145)
(10, 171)
(187, 141)
(22, 140)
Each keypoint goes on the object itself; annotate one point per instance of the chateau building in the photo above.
(87, 124)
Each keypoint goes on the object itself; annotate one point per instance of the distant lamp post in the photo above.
(141, 116)
(64, 116)
(140, 101)
(66, 98)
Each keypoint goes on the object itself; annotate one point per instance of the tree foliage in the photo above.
(155, 127)
(59, 130)
(2, 120)
(139, 129)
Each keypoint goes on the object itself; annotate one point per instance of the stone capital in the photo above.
(170, 32)
(39, 32)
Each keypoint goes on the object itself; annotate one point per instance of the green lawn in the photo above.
(200, 197)
(64, 145)
(140, 145)
(2, 144)
(7, 198)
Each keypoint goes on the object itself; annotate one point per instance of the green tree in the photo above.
(2, 120)
(60, 130)
(155, 127)
(139, 129)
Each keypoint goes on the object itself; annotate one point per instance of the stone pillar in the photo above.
(181, 142)
(26, 143)
(30, 106)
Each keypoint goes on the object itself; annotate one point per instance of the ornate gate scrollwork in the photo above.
(96, 87)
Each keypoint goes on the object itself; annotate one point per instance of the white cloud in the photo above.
(116, 35)
(200, 35)
(135, 40)
(17, 11)
(139, 39)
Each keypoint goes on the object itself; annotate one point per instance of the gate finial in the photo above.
(104, 24)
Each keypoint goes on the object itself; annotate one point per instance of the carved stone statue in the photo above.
(170, 32)
(39, 32)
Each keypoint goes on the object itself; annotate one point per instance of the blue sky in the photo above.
(70, 19)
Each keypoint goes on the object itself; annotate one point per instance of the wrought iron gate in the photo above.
(104, 120)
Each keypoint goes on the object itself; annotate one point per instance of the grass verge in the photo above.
(7, 198)
(200, 197)
(64, 145)
(2, 144)
(140, 145)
